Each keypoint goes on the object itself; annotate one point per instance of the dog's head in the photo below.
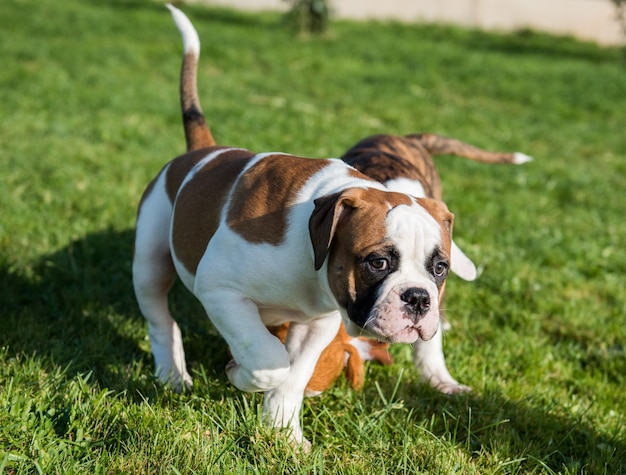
(388, 255)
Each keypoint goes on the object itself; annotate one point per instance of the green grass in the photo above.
(89, 113)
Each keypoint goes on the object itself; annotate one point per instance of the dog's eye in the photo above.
(378, 264)
(440, 268)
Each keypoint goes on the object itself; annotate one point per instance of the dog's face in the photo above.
(388, 258)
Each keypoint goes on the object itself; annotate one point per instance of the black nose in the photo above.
(417, 300)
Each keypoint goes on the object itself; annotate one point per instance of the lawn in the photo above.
(89, 113)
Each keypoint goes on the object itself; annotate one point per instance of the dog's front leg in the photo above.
(305, 342)
(260, 360)
(429, 360)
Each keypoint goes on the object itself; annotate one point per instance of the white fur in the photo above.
(363, 347)
(429, 360)
(153, 275)
(406, 185)
(416, 234)
(460, 264)
(191, 41)
(520, 158)
(428, 354)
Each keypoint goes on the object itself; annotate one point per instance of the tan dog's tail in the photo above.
(440, 145)
(197, 132)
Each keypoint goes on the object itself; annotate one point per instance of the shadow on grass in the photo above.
(533, 432)
(513, 436)
(76, 308)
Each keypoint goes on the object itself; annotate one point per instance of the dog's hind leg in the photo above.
(153, 274)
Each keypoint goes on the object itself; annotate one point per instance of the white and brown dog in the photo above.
(404, 164)
(263, 239)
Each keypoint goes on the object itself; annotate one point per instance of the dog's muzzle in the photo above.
(405, 314)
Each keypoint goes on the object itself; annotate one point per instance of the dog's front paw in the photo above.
(301, 445)
(450, 387)
(257, 380)
(183, 384)
(177, 382)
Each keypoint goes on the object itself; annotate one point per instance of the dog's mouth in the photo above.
(412, 334)
(405, 313)
(407, 334)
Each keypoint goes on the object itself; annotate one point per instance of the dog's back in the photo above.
(388, 158)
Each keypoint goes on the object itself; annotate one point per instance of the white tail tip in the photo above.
(519, 158)
(191, 41)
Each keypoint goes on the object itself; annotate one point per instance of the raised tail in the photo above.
(197, 132)
(440, 145)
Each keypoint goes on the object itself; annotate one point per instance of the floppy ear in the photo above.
(324, 219)
(460, 264)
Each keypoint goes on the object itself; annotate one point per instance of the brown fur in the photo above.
(259, 208)
(194, 222)
(355, 205)
(441, 145)
(197, 133)
(386, 157)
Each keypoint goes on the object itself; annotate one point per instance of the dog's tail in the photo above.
(440, 145)
(197, 132)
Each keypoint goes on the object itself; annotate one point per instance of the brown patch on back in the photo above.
(260, 204)
(176, 170)
(199, 203)
(180, 167)
(387, 157)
